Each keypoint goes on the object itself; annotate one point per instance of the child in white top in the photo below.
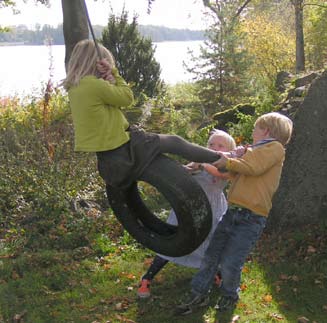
(212, 182)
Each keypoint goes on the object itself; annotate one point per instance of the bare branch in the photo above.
(240, 9)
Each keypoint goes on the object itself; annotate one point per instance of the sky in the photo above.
(171, 13)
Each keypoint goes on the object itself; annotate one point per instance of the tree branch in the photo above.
(207, 4)
(315, 4)
(240, 9)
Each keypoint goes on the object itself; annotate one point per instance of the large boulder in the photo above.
(302, 194)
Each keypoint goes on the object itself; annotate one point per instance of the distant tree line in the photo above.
(46, 33)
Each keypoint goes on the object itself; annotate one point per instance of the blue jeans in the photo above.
(232, 241)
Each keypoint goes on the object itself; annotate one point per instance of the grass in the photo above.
(281, 282)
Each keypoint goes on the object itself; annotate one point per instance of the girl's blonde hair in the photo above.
(83, 62)
(280, 127)
(228, 138)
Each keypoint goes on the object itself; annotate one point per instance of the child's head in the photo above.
(83, 61)
(221, 141)
(279, 126)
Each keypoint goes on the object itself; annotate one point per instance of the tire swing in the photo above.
(185, 196)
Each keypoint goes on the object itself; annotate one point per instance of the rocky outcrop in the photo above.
(302, 194)
(293, 90)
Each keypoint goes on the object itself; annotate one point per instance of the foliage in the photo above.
(162, 33)
(33, 37)
(40, 184)
(220, 68)
(315, 36)
(279, 11)
(134, 55)
(179, 111)
(6, 3)
(39, 34)
(12, 3)
(241, 130)
(271, 48)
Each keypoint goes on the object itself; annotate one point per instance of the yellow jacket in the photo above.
(257, 175)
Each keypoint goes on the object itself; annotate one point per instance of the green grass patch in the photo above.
(52, 286)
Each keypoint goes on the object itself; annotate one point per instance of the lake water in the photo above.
(26, 69)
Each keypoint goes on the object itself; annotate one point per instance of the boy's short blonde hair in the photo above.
(228, 138)
(280, 127)
(83, 61)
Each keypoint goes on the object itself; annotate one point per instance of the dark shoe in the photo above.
(192, 302)
(226, 303)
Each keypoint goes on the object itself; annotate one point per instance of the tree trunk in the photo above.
(74, 25)
(302, 194)
(300, 58)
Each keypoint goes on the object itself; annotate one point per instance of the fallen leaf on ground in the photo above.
(276, 316)
(248, 312)
(241, 305)
(15, 275)
(267, 298)
(147, 262)
(303, 319)
(124, 319)
(243, 287)
(311, 249)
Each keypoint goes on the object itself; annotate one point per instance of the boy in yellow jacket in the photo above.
(255, 179)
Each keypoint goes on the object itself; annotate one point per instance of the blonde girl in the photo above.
(97, 95)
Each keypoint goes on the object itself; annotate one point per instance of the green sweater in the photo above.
(99, 123)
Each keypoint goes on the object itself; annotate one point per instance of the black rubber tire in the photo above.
(148, 219)
(185, 196)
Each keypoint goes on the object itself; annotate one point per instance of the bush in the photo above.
(38, 168)
(134, 56)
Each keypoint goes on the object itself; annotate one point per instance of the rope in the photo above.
(91, 28)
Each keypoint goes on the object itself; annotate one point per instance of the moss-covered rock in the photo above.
(231, 115)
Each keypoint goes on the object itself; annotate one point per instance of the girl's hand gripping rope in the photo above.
(104, 70)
